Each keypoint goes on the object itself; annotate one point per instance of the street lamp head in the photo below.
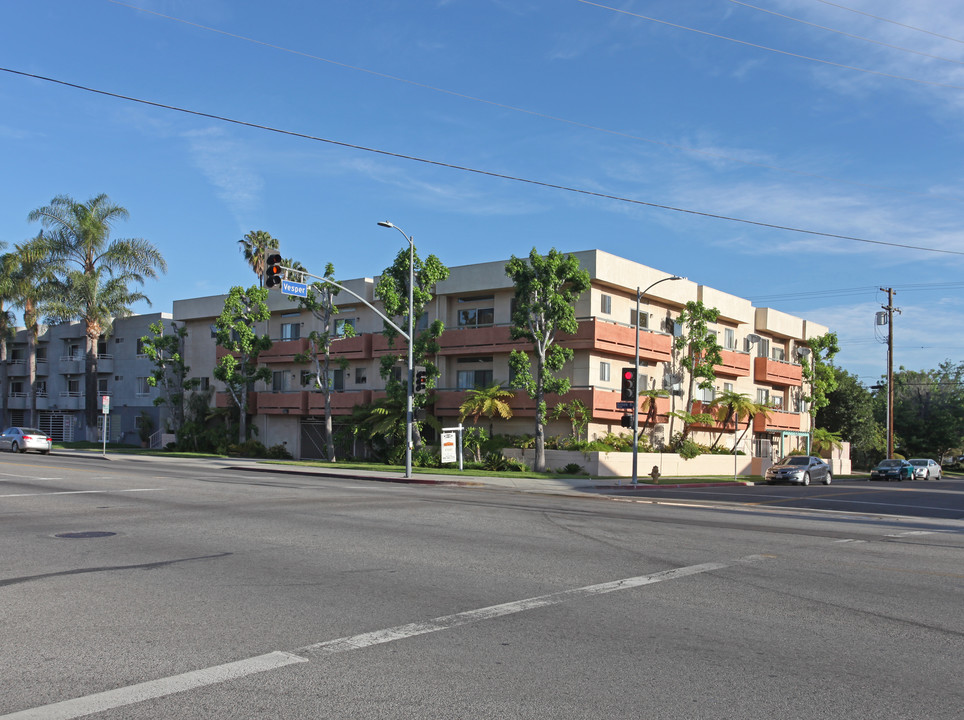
(385, 223)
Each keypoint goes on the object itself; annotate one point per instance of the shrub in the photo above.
(572, 469)
(278, 452)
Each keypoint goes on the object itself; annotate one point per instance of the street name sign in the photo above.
(624, 405)
(293, 288)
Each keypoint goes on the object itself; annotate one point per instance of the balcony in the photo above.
(475, 340)
(777, 372)
(734, 364)
(777, 420)
(280, 403)
(284, 351)
(602, 404)
(71, 401)
(71, 365)
(612, 338)
(225, 400)
(353, 348)
(105, 364)
(342, 402)
(16, 368)
(21, 401)
(380, 346)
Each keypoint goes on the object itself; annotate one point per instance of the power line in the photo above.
(775, 50)
(537, 114)
(856, 291)
(847, 34)
(892, 22)
(486, 173)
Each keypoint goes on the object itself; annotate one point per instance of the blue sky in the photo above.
(821, 118)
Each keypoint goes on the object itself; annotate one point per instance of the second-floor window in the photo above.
(606, 304)
(341, 324)
(729, 338)
(142, 387)
(476, 317)
(290, 331)
(779, 353)
(604, 372)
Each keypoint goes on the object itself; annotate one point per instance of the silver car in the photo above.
(799, 469)
(21, 439)
(925, 469)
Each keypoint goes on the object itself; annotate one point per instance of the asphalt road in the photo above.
(932, 499)
(175, 590)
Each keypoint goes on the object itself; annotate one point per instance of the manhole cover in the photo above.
(87, 534)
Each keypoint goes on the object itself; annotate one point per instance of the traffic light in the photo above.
(628, 390)
(272, 270)
(421, 378)
(626, 421)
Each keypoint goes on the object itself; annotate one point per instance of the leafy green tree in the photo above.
(929, 410)
(98, 274)
(238, 369)
(320, 302)
(824, 440)
(818, 372)
(489, 401)
(699, 353)
(849, 413)
(546, 289)
(392, 290)
(732, 406)
(256, 246)
(648, 410)
(166, 351)
(7, 323)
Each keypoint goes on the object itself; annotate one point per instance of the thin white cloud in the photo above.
(222, 160)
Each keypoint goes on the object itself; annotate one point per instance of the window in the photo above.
(763, 348)
(140, 347)
(643, 318)
(102, 385)
(16, 387)
(729, 338)
(341, 324)
(606, 304)
(779, 353)
(727, 387)
(41, 353)
(290, 331)
(336, 380)
(307, 378)
(471, 379)
(477, 317)
(361, 376)
(142, 387)
(41, 388)
(279, 381)
(777, 401)
(604, 372)
(763, 396)
(18, 354)
(643, 382)
(421, 322)
(705, 395)
(204, 384)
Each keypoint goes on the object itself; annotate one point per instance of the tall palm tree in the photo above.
(98, 273)
(7, 326)
(255, 246)
(33, 282)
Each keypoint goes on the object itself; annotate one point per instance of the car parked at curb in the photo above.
(800, 470)
(21, 439)
(893, 470)
(925, 469)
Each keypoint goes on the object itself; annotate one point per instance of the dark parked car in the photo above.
(799, 469)
(893, 470)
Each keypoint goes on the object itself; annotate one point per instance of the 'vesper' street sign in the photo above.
(293, 288)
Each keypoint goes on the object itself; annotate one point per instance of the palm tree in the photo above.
(824, 440)
(7, 326)
(489, 401)
(97, 273)
(648, 406)
(33, 282)
(732, 406)
(255, 246)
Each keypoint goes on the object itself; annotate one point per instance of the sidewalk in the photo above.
(554, 486)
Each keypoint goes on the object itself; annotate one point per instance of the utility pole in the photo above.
(889, 307)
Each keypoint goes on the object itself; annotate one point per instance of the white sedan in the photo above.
(925, 469)
(21, 439)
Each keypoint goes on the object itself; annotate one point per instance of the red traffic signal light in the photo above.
(272, 270)
(628, 389)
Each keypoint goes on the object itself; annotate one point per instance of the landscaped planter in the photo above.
(620, 464)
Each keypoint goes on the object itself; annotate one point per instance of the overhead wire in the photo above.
(477, 171)
(846, 34)
(799, 56)
(538, 114)
(892, 22)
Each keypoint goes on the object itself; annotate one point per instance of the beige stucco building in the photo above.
(760, 355)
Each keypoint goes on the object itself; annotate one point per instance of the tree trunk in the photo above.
(91, 409)
(3, 382)
(539, 464)
(32, 375)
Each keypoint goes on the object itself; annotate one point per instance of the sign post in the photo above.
(451, 449)
(105, 411)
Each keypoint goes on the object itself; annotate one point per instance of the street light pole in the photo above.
(639, 295)
(410, 390)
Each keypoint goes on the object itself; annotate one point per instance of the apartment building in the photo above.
(58, 402)
(760, 355)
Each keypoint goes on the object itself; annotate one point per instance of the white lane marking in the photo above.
(26, 477)
(78, 707)
(850, 540)
(81, 492)
(908, 533)
(99, 702)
